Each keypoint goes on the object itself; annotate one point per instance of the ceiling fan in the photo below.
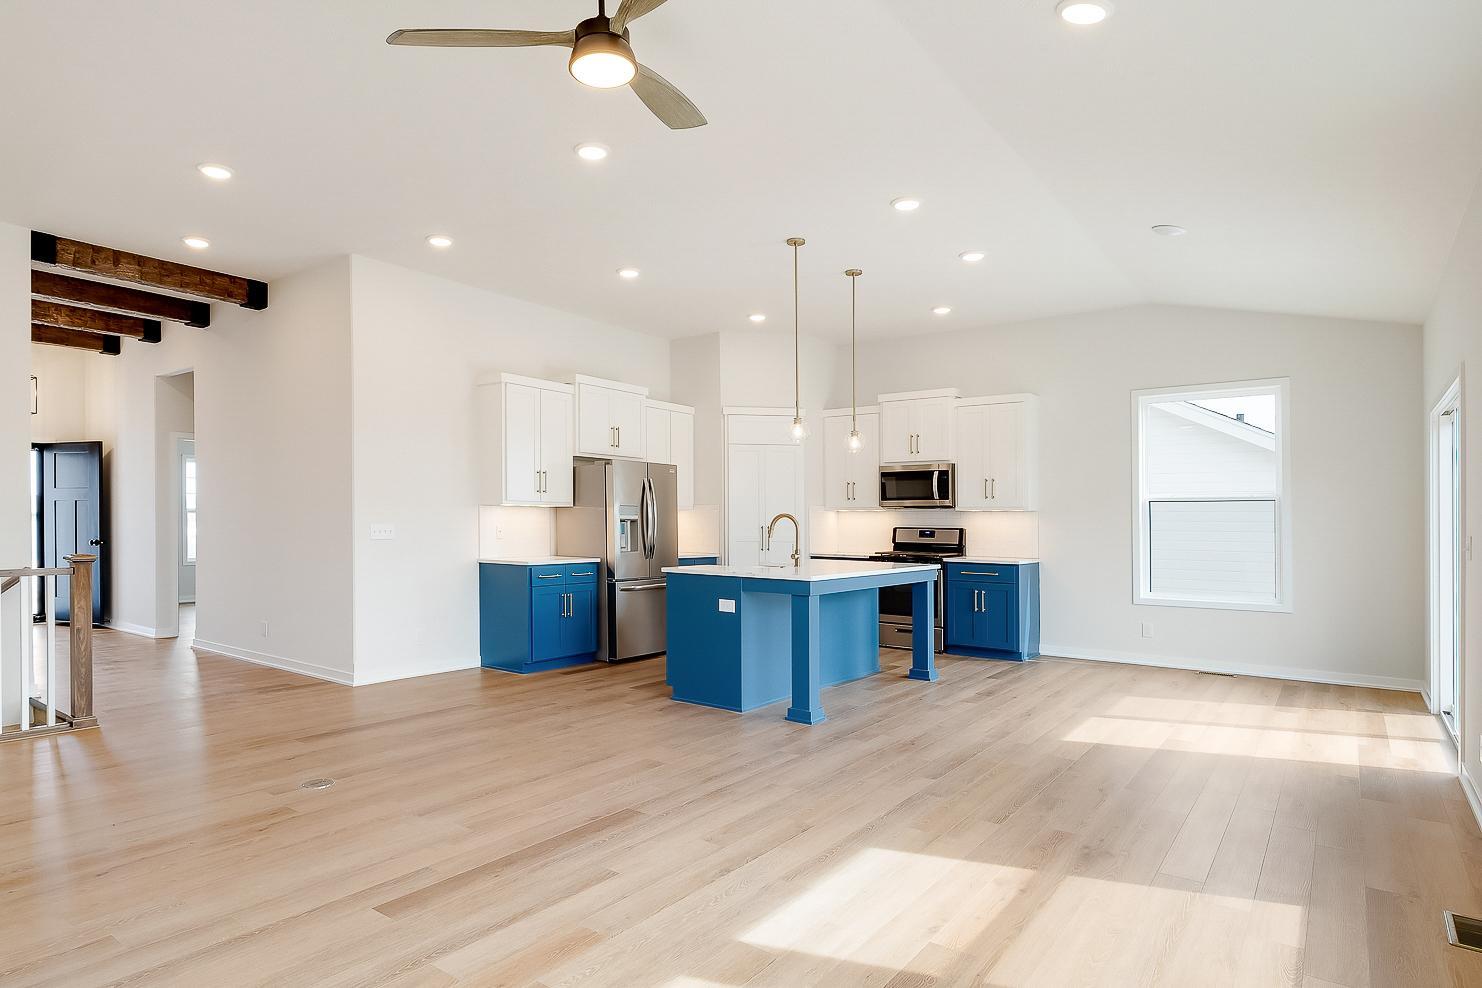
(600, 56)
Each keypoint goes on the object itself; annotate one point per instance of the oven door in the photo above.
(918, 485)
(895, 604)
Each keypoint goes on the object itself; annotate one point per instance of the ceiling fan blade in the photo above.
(631, 10)
(666, 102)
(478, 38)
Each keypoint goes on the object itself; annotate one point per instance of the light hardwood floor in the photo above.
(1055, 823)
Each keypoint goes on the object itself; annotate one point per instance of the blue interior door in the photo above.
(71, 494)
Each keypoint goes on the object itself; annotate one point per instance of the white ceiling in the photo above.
(1320, 152)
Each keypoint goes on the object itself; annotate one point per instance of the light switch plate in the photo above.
(382, 533)
(727, 605)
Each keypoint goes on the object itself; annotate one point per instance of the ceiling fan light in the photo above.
(602, 60)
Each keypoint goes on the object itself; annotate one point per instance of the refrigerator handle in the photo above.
(651, 518)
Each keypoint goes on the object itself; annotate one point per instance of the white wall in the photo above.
(1357, 486)
(15, 437)
(272, 415)
(1453, 344)
(420, 343)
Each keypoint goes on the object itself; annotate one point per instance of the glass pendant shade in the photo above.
(856, 441)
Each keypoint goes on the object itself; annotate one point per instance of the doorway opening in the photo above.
(1447, 549)
(175, 528)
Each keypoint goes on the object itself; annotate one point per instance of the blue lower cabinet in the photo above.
(993, 610)
(533, 618)
(699, 560)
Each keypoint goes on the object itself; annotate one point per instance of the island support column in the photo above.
(923, 631)
(806, 707)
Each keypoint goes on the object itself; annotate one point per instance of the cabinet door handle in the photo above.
(993, 489)
(985, 487)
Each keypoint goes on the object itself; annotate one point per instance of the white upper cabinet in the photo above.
(916, 426)
(669, 437)
(997, 462)
(851, 480)
(609, 417)
(525, 441)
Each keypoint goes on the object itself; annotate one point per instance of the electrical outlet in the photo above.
(1147, 629)
(499, 532)
(382, 532)
(265, 627)
(726, 605)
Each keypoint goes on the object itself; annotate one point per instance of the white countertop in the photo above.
(543, 560)
(992, 560)
(714, 553)
(812, 570)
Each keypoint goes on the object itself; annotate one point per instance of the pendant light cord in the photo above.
(853, 358)
(797, 371)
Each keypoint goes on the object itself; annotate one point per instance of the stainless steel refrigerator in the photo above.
(625, 513)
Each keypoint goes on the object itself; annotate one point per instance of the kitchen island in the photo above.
(742, 637)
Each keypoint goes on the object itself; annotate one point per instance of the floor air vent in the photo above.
(1463, 931)
(1222, 675)
(317, 784)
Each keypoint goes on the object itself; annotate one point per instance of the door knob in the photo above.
(94, 541)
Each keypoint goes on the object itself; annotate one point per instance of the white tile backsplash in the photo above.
(989, 533)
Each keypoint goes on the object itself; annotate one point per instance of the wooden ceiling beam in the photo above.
(94, 321)
(171, 276)
(77, 339)
(99, 295)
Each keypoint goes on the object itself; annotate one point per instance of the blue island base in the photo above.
(740, 659)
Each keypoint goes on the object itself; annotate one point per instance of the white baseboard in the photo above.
(277, 662)
(1324, 676)
(132, 629)
(1474, 800)
(1425, 694)
(456, 665)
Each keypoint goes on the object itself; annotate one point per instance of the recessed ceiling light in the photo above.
(942, 310)
(195, 243)
(627, 274)
(906, 204)
(758, 317)
(1169, 230)
(440, 241)
(1084, 11)
(972, 256)
(592, 152)
(215, 172)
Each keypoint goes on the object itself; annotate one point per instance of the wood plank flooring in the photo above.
(1055, 823)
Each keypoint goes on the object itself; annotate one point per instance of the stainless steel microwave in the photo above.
(918, 485)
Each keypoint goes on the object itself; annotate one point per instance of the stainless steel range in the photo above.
(915, 545)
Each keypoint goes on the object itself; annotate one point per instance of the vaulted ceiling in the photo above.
(1320, 153)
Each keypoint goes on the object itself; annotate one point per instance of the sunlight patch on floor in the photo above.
(1417, 726)
(1093, 931)
(880, 907)
(1261, 742)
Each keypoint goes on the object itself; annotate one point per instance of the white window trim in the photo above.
(1281, 387)
(186, 559)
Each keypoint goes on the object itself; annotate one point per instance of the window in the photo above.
(1212, 525)
(188, 508)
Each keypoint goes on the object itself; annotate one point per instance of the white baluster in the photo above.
(28, 671)
(49, 587)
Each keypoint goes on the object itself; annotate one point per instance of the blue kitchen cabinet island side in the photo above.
(992, 609)
(740, 638)
(537, 616)
(686, 559)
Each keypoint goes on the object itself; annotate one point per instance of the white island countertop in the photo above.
(541, 560)
(994, 560)
(812, 570)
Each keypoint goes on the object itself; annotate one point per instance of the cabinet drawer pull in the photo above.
(548, 576)
(978, 572)
(587, 573)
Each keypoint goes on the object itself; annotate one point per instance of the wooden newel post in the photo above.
(81, 595)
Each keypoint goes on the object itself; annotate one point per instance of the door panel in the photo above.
(781, 473)
(639, 607)
(658, 438)
(579, 628)
(972, 457)
(1006, 455)
(997, 623)
(626, 481)
(594, 430)
(664, 488)
(71, 486)
(555, 446)
(625, 412)
(744, 505)
(961, 613)
(838, 474)
(895, 432)
(866, 464)
(682, 453)
(933, 418)
(521, 442)
(545, 622)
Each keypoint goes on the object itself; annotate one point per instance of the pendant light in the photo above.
(856, 441)
(799, 430)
